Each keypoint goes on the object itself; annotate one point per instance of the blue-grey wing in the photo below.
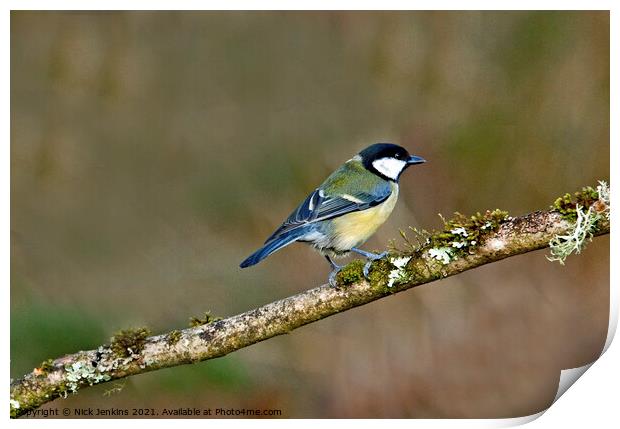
(320, 206)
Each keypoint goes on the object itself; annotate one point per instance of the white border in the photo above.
(593, 401)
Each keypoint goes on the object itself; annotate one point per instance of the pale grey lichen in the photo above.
(582, 231)
(496, 244)
(398, 274)
(603, 195)
(148, 361)
(459, 231)
(79, 372)
(575, 240)
(14, 404)
(442, 254)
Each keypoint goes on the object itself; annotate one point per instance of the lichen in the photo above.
(79, 373)
(198, 321)
(580, 233)
(442, 254)
(399, 274)
(14, 405)
(464, 233)
(603, 204)
(584, 209)
(461, 234)
(351, 273)
(128, 342)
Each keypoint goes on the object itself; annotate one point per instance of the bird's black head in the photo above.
(388, 160)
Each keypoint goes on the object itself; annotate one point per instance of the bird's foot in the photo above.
(371, 258)
(332, 276)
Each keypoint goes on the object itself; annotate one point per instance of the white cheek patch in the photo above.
(389, 167)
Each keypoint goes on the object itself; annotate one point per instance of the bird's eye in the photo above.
(397, 156)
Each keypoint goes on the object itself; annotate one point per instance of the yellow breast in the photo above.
(353, 229)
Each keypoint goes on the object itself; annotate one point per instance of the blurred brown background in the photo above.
(152, 152)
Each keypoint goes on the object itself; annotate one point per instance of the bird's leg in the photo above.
(335, 270)
(370, 256)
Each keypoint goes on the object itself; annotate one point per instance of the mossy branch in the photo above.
(464, 244)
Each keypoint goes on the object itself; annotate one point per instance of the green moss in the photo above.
(412, 243)
(351, 273)
(379, 274)
(129, 341)
(459, 236)
(198, 321)
(46, 366)
(173, 337)
(566, 205)
(462, 234)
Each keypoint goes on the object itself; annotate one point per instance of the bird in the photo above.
(346, 209)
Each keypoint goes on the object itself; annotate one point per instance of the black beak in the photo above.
(415, 160)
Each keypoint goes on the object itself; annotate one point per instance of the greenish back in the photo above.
(351, 178)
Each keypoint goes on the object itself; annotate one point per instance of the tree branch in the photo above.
(135, 353)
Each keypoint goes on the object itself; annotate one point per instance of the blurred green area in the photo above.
(152, 152)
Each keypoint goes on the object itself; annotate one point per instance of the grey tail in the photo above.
(273, 245)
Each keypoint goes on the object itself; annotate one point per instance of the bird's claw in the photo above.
(371, 259)
(367, 269)
(332, 276)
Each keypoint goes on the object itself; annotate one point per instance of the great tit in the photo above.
(346, 209)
